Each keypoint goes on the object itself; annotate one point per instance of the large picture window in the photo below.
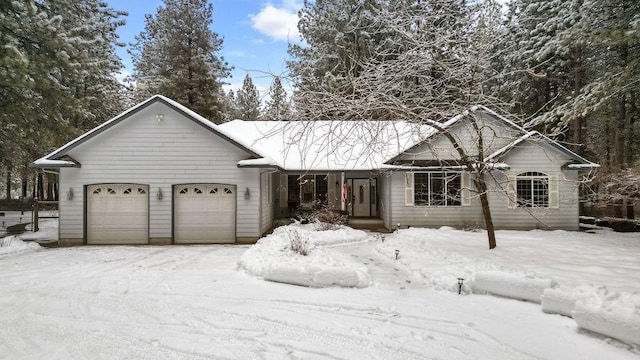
(437, 189)
(532, 189)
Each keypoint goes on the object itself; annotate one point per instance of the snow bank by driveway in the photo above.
(13, 245)
(582, 264)
(511, 285)
(617, 316)
(272, 258)
(562, 300)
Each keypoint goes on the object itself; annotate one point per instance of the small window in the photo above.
(361, 194)
(111, 191)
(197, 191)
(127, 191)
(97, 191)
(228, 191)
(213, 191)
(184, 190)
(141, 191)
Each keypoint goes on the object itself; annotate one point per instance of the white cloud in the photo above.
(122, 75)
(278, 23)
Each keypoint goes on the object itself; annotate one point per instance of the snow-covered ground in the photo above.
(212, 302)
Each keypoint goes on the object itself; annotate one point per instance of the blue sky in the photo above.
(255, 33)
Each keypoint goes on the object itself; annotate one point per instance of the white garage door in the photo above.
(204, 214)
(117, 214)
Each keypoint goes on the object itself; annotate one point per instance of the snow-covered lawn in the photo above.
(211, 302)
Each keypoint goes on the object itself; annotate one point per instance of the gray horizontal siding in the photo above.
(540, 158)
(159, 154)
(496, 135)
(427, 216)
(532, 157)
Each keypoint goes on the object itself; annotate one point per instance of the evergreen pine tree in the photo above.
(231, 112)
(277, 107)
(248, 101)
(56, 74)
(176, 55)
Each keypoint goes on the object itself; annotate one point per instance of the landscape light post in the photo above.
(460, 281)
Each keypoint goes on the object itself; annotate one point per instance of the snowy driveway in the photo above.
(192, 302)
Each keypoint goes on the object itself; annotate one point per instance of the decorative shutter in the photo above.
(408, 189)
(511, 192)
(465, 181)
(553, 192)
(283, 191)
(331, 190)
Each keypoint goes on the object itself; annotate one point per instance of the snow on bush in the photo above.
(523, 287)
(272, 258)
(562, 300)
(298, 241)
(13, 245)
(615, 315)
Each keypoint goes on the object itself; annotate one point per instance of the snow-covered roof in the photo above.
(47, 163)
(313, 145)
(325, 145)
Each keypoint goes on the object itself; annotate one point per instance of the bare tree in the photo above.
(428, 69)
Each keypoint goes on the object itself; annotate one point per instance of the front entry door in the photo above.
(361, 197)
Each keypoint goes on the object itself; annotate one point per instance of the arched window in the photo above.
(532, 189)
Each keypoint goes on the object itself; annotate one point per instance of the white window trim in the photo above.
(552, 188)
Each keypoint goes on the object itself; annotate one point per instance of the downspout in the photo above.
(343, 198)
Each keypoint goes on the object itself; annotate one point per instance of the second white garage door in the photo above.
(204, 213)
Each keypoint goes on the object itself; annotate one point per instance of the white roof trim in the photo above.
(584, 163)
(95, 131)
(46, 163)
(454, 120)
(262, 162)
(583, 166)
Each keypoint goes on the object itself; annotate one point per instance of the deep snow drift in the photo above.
(197, 302)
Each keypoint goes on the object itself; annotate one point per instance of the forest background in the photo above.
(569, 69)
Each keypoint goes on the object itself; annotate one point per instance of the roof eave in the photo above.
(54, 164)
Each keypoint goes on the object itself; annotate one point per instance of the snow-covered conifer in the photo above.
(176, 55)
(248, 100)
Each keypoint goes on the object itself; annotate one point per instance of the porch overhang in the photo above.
(260, 163)
(490, 166)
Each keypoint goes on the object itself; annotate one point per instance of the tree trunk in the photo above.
(481, 187)
(8, 195)
(621, 118)
(578, 125)
(632, 138)
(630, 210)
(40, 186)
(24, 179)
(49, 190)
(620, 133)
(24, 186)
